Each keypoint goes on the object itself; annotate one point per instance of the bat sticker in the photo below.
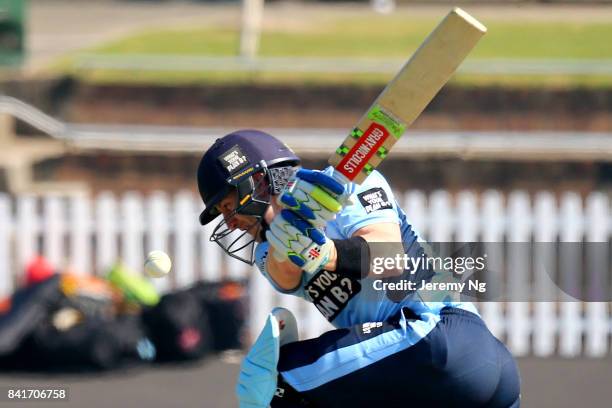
(395, 126)
(367, 145)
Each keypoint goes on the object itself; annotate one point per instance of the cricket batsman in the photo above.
(308, 234)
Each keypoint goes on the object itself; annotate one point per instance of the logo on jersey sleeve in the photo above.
(374, 199)
(331, 293)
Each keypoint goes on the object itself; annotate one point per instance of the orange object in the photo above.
(72, 284)
(231, 291)
(5, 305)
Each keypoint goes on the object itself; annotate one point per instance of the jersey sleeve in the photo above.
(261, 254)
(372, 202)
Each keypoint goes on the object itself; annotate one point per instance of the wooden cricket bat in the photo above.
(406, 96)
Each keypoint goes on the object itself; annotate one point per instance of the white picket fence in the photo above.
(88, 235)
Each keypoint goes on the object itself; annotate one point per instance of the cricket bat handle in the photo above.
(340, 178)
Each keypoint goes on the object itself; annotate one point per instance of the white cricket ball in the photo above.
(157, 264)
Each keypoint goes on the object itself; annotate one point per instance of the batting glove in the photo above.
(314, 196)
(299, 241)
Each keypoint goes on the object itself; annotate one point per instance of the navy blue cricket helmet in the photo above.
(254, 164)
(231, 163)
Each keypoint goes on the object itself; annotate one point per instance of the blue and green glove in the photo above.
(311, 199)
(314, 196)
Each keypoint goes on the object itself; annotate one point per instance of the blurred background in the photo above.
(106, 107)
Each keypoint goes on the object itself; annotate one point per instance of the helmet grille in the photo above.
(279, 176)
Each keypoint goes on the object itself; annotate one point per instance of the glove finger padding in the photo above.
(291, 243)
(288, 237)
(304, 226)
(322, 180)
(313, 196)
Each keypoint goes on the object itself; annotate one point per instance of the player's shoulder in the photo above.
(375, 179)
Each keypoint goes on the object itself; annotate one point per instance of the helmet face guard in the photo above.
(253, 165)
(254, 193)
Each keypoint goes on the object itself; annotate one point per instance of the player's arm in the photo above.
(379, 232)
(288, 276)
(376, 240)
(283, 272)
(297, 232)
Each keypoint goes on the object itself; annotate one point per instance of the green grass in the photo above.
(379, 36)
(176, 42)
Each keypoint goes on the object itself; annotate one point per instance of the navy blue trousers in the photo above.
(459, 363)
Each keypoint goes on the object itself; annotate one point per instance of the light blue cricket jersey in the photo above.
(346, 301)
